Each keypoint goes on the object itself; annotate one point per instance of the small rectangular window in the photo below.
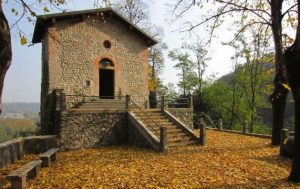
(87, 83)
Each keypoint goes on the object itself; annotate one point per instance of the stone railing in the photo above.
(13, 150)
(134, 109)
(181, 108)
(245, 130)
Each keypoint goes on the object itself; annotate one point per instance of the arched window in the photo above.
(106, 63)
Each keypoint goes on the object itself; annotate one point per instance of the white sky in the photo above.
(22, 83)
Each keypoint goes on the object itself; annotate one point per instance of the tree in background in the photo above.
(246, 14)
(201, 55)
(254, 76)
(136, 11)
(237, 93)
(188, 78)
(156, 61)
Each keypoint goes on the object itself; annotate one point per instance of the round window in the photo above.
(107, 44)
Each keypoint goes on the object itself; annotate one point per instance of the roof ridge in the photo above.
(43, 18)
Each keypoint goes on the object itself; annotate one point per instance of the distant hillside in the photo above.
(21, 107)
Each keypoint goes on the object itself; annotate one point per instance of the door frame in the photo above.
(112, 70)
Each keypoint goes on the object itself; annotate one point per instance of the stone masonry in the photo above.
(185, 115)
(89, 130)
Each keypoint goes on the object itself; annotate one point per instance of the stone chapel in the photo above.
(89, 56)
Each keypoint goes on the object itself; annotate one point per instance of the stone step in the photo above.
(101, 106)
(158, 117)
(154, 119)
(106, 100)
(178, 139)
(169, 130)
(176, 135)
(178, 144)
(95, 104)
(99, 110)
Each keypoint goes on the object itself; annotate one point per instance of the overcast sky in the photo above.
(22, 83)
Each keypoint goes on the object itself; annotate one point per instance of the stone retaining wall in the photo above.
(13, 150)
(82, 129)
(185, 115)
(135, 138)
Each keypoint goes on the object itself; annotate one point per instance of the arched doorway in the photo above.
(106, 79)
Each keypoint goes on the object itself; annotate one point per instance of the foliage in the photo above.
(216, 103)
(188, 78)
(276, 20)
(5, 134)
(12, 128)
(226, 99)
(228, 161)
(201, 55)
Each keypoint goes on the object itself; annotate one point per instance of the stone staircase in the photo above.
(102, 105)
(154, 119)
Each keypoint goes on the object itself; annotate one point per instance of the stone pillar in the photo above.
(58, 108)
(284, 134)
(220, 124)
(128, 102)
(58, 99)
(245, 126)
(163, 103)
(163, 139)
(63, 104)
(146, 104)
(202, 136)
(191, 106)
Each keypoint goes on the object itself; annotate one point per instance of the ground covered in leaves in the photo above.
(228, 161)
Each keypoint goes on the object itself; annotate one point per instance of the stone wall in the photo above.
(87, 129)
(13, 150)
(135, 138)
(185, 115)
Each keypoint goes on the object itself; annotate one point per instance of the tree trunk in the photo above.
(278, 101)
(278, 98)
(292, 59)
(295, 172)
(292, 56)
(5, 50)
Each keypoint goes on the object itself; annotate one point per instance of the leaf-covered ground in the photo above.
(228, 161)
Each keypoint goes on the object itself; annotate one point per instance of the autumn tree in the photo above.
(156, 61)
(292, 60)
(264, 14)
(5, 50)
